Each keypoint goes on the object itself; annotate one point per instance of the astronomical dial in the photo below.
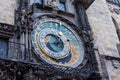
(57, 43)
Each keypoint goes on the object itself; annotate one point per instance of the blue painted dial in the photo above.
(57, 43)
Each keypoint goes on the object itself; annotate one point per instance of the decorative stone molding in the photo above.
(41, 71)
(7, 27)
(53, 3)
(115, 60)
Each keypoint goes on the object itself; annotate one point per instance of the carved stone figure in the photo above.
(23, 16)
(116, 64)
(53, 3)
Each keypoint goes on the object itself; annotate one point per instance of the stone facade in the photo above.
(104, 23)
(100, 15)
(100, 20)
(7, 8)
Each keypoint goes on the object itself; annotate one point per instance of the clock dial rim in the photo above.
(68, 27)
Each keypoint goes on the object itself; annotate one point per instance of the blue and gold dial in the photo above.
(57, 43)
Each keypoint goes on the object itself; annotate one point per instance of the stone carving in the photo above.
(7, 27)
(25, 19)
(117, 11)
(11, 70)
(23, 16)
(116, 64)
(22, 19)
(113, 10)
(110, 7)
(53, 3)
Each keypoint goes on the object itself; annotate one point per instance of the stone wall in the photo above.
(7, 8)
(105, 35)
(113, 73)
(100, 20)
(115, 13)
(113, 9)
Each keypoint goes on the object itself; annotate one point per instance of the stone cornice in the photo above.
(7, 27)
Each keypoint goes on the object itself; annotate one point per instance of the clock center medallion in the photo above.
(53, 44)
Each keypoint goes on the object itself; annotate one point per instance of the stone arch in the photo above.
(116, 27)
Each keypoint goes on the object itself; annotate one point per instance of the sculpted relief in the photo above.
(53, 3)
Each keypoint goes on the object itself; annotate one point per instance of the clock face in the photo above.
(57, 43)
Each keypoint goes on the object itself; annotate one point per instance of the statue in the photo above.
(25, 18)
(53, 3)
(115, 64)
(22, 19)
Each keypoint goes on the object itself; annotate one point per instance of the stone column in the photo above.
(82, 17)
(22, 41)
(87, 34)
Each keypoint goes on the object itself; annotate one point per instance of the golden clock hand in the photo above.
(60, 33)
(60, 26)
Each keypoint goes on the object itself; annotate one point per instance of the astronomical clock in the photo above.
(56, 42)
(45, 44)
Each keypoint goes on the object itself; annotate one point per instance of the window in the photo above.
(62, 6)
(39, 1)
(3, 48)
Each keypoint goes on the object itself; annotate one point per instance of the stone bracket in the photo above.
(110, 57)
(115, 60)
